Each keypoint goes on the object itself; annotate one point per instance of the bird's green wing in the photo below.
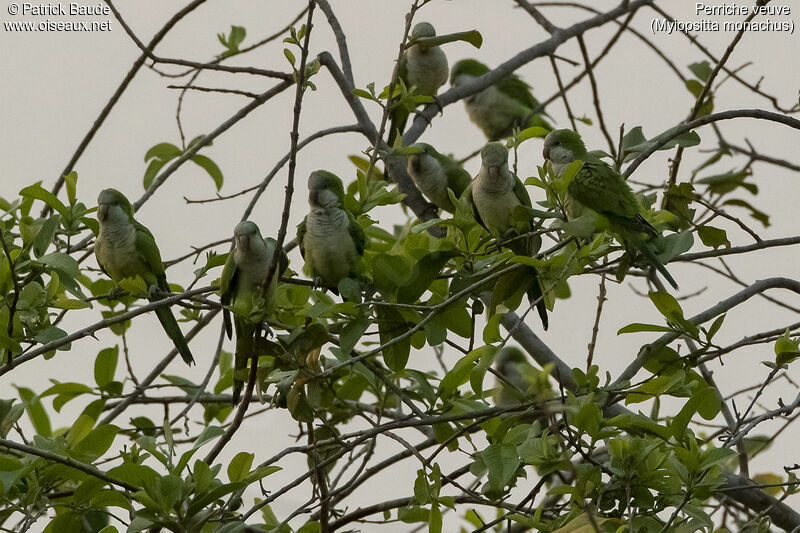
(227, 286)
(98, 244)
(600, 187)
(151, 256)
(517, 89)
(468, 197)
(521, 193)
(356, 233)
(283, 259)
(301, 233)
(399, 115)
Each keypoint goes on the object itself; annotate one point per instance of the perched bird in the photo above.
(423, 66)
(494, 194)
(498, 109)
(518, 373)
(597, 186)
(124, 249)
(330, 239)
(434, 174)
(242, 290)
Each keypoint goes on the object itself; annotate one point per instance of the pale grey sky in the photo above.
(54, 84)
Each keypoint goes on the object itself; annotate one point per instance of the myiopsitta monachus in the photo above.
(423, 66)
(514, 367)
(501, 107)
(434, 174)
(124, 249)
(330, 239)
(495, 194)
(599, 187)
(242, 289)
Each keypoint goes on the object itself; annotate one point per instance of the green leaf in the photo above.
(82, 426)
(392, 324)
(38, 193)
(210, 167)
(71, 181)
(461, 370)
(702, 70)
(44, 237)
(502, 462)
(714, 237)
(70, 304)
(666, 304)
(36, 412)
(786, 349)
(289, 56)
(634, 143)
(151, 171)
(424, 273)
(707, 398)
(97, 442)
(755, 213)
(637, 327)
(105, 366)
(351, 334)
(239, 466)
(162, 151)
(530, 133)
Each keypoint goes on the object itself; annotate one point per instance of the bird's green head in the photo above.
(563, 146)
(113, 207)
(325, 189)
(506, 358)
(418, 159)
(494, 155)
(467, 68)
(423, 29)
(244, 234)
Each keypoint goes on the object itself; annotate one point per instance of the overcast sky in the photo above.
(54, 84)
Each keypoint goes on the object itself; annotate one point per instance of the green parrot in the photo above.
(599, 187)
(498, 109)
(330, 239)
(494, 195)
(124, 249)
(422, 66)
(512, 364)
(434, 174)
(241, 289)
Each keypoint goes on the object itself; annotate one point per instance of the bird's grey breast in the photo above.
(116, 250)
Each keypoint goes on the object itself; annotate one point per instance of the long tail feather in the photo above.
(244, 348)
(534, 294)
(170, 325)
(653, 260)
(397, 125)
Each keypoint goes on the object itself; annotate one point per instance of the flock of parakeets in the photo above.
(332, 242)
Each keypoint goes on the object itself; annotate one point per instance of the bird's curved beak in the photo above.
(313, 196)
(494, 172)
(546, 152)
(242, 242)
(102, 212)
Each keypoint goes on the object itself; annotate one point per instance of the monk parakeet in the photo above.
(330, 239)
(498, 109)
(512, 364)
(434, 174)
(124, 249)
(241, 289)
(599, 187)
(423, 66)
(494, 194)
